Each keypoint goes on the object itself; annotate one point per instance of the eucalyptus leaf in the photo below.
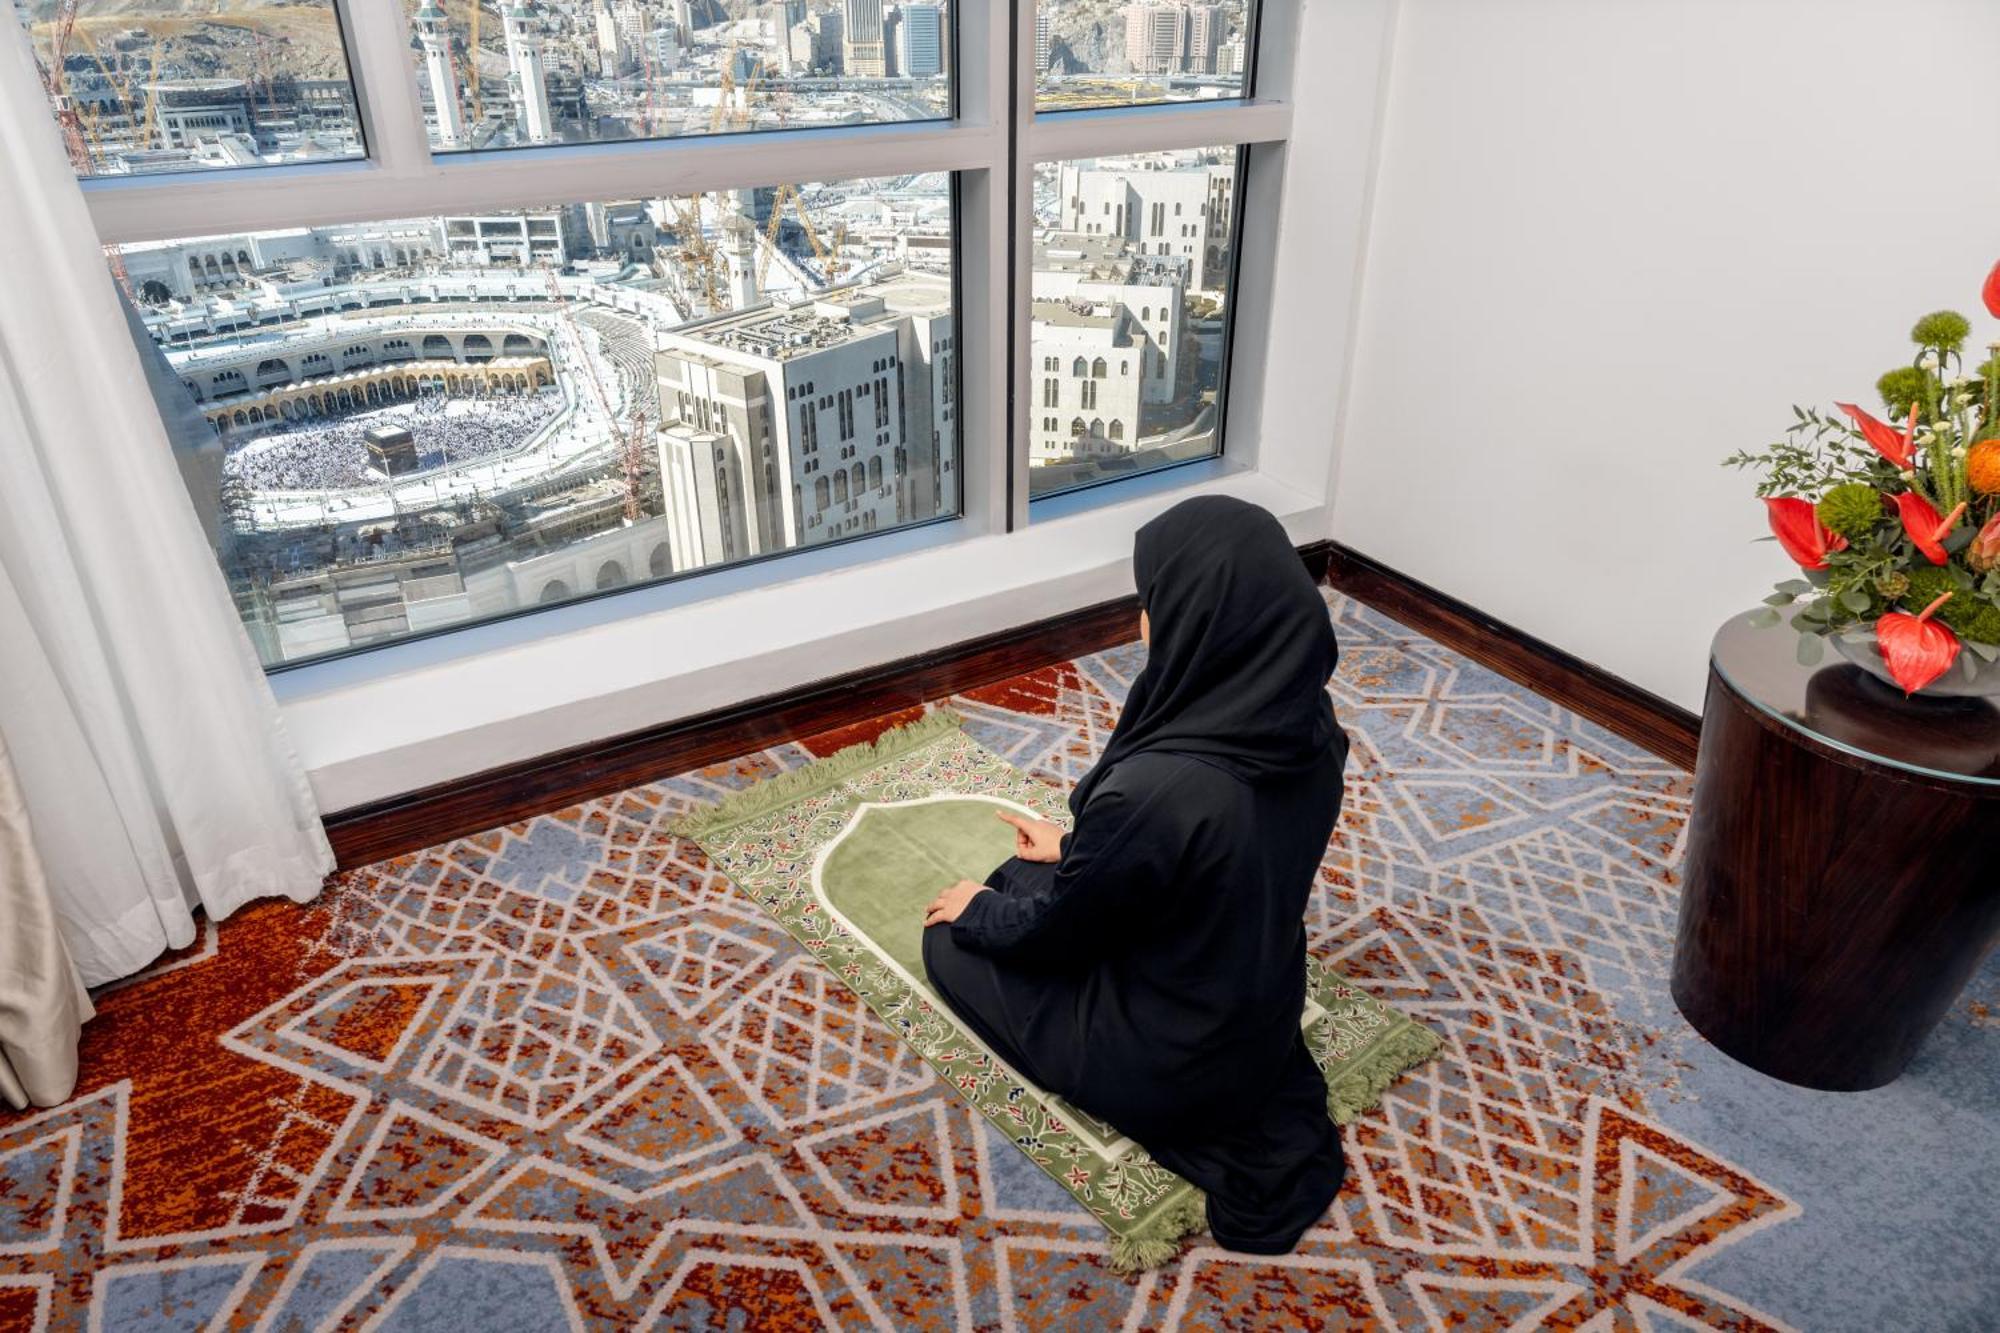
(1811, 649)
(1988, 652)
(1764, 619)
(1779, 599)
(1854, 600)
(1797, 587)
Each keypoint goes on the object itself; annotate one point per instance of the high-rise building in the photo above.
(1156, 38)
(1159, 209)
(614, 45)
(862, 53)
(434, 33)
(921, 41)
(663, 45)
(527, 73)
(793, 425)
(892, 41)
(1206, 25)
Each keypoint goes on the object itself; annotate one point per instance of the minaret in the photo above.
(432, 31)
(528, 71)
(741, 259)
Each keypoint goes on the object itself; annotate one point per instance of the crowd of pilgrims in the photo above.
(331, 453)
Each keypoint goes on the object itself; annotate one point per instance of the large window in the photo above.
(420, 422)
(599, 296)
(517, 73)
(164, 85)
(1129, 303)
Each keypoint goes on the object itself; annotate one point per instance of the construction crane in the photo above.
(257, 42)
(828, 257)
(472, 70)
(727, 86)
(694, 252)
(631, 439)
(55, 84)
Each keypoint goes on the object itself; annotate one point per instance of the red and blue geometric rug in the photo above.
(561, 1075)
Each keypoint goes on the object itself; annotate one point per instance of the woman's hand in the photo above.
(1035, 839)
(947, 905)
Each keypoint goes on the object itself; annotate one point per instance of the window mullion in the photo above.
(1151, 129)
(392, 114)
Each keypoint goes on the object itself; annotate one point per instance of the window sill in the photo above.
(413, 715)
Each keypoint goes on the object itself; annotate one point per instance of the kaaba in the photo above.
(392, 450)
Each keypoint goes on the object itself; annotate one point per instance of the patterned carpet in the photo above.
(561, 1075)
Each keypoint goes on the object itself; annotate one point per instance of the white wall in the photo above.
(1612, 241)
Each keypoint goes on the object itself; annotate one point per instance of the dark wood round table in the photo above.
(1843, 864)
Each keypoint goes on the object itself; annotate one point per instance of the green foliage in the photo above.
(1943, 330)
(1816, 454)
(1850, 509)
(1906, 385)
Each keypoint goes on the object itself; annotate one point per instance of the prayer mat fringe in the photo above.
(1159, 1241)
(1360, 1089)
(772, 793)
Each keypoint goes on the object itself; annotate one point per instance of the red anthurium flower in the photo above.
(1992, 292)
(1926, 529)
(1916, 649)
(1798, 529)
(1892, 444)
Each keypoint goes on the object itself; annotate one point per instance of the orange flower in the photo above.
(1992, 292)
(1982, 467)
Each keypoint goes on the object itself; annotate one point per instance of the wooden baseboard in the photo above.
(1640, 716)
(431, 815)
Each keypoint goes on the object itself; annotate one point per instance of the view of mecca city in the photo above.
(401, 426)
(1132, 265)
(174, 85)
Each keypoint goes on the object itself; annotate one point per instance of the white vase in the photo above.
(1970, 677)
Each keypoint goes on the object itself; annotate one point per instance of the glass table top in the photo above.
(1840, 705)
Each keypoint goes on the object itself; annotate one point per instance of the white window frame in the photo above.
(409, 714)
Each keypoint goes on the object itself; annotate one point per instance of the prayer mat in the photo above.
(846, 852)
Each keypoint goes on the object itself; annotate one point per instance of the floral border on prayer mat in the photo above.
(767, 839)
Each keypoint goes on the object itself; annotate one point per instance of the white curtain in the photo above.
(155, 768)
(42, 1001)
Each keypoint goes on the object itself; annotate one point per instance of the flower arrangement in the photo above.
(1896, 529)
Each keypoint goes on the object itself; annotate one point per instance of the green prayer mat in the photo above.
(846, 852)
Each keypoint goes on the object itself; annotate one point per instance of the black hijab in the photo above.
(1241, 651)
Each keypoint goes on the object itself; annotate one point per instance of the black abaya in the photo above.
(1155, 976)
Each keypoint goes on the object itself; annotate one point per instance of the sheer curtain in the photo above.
(155, 769)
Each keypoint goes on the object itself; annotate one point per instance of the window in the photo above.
(1095, 297)
(526, 73)
(1088, 54)
(487, 365)
(451, 460)
(159, 85)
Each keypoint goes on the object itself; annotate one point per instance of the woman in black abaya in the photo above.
(1149, 966)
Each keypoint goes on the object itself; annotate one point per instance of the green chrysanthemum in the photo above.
(1903, 386)
(1967, 614)
(1851, 509)
(1945, 330)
